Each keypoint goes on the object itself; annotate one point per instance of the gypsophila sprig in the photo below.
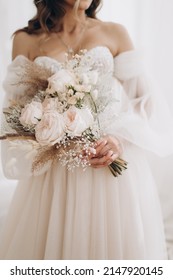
(61, 114)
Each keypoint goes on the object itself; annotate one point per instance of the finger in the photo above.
(98, 161)
(98, 166)
(104, 161)
(101, 160)
(98, 142)
(114, 156)
(105, 149)
(111, 157)
(100, 146)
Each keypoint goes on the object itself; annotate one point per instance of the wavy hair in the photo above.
(50, 13)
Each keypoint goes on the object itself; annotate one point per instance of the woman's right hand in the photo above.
(107, 149)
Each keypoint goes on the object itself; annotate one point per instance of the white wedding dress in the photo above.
(59, 214)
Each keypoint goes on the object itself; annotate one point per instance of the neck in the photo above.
(72, 22)
(73, 27)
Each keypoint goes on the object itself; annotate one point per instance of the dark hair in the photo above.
(51, 11)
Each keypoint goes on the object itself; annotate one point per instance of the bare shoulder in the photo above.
(22, 43)
(118, 36)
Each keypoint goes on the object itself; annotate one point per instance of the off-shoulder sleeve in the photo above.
(17, 155)
(145, 119)
(11, 84)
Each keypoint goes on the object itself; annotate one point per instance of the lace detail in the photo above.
(98, 58)
(48, 62)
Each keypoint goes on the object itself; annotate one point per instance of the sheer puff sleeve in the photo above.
(145, 119)
(17, 155)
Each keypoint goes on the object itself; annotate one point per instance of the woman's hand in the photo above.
(108, 149)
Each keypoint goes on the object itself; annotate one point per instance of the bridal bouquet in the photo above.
(59, 112)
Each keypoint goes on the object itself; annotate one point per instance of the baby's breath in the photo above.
(73, 89)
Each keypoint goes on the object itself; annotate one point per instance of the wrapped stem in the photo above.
(117, 166)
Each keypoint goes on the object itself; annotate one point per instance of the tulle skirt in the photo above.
(86, 215)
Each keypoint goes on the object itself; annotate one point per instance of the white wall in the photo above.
(13, 15)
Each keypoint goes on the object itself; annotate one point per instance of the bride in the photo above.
(59, 214)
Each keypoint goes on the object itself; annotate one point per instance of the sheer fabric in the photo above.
(57, 214)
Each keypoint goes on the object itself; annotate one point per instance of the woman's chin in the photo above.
(83, 4)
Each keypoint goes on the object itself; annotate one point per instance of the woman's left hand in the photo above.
(108, 149)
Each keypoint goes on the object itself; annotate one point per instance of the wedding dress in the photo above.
(59, 214)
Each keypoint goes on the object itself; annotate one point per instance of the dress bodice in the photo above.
(98, 58)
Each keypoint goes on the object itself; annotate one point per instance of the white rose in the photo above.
(59, 81)
(77, 120)
(31, 113)
(50, 130)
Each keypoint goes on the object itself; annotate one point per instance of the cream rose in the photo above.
(31, 113)
(50, 130)
(59, 81)
(77, 120)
